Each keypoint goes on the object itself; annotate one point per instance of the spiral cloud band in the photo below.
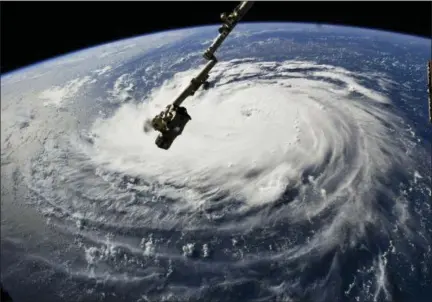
(282, 163)
(262, 129)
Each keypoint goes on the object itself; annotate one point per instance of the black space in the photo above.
(33, 31)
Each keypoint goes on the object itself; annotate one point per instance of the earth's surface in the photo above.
(304, 174)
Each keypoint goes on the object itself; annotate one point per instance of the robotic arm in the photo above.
(196, 82)
(171, 122)
(229, 22)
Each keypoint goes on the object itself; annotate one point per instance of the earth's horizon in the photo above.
(302, 176)
(308, 24)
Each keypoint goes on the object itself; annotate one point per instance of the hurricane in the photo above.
(294, 181)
